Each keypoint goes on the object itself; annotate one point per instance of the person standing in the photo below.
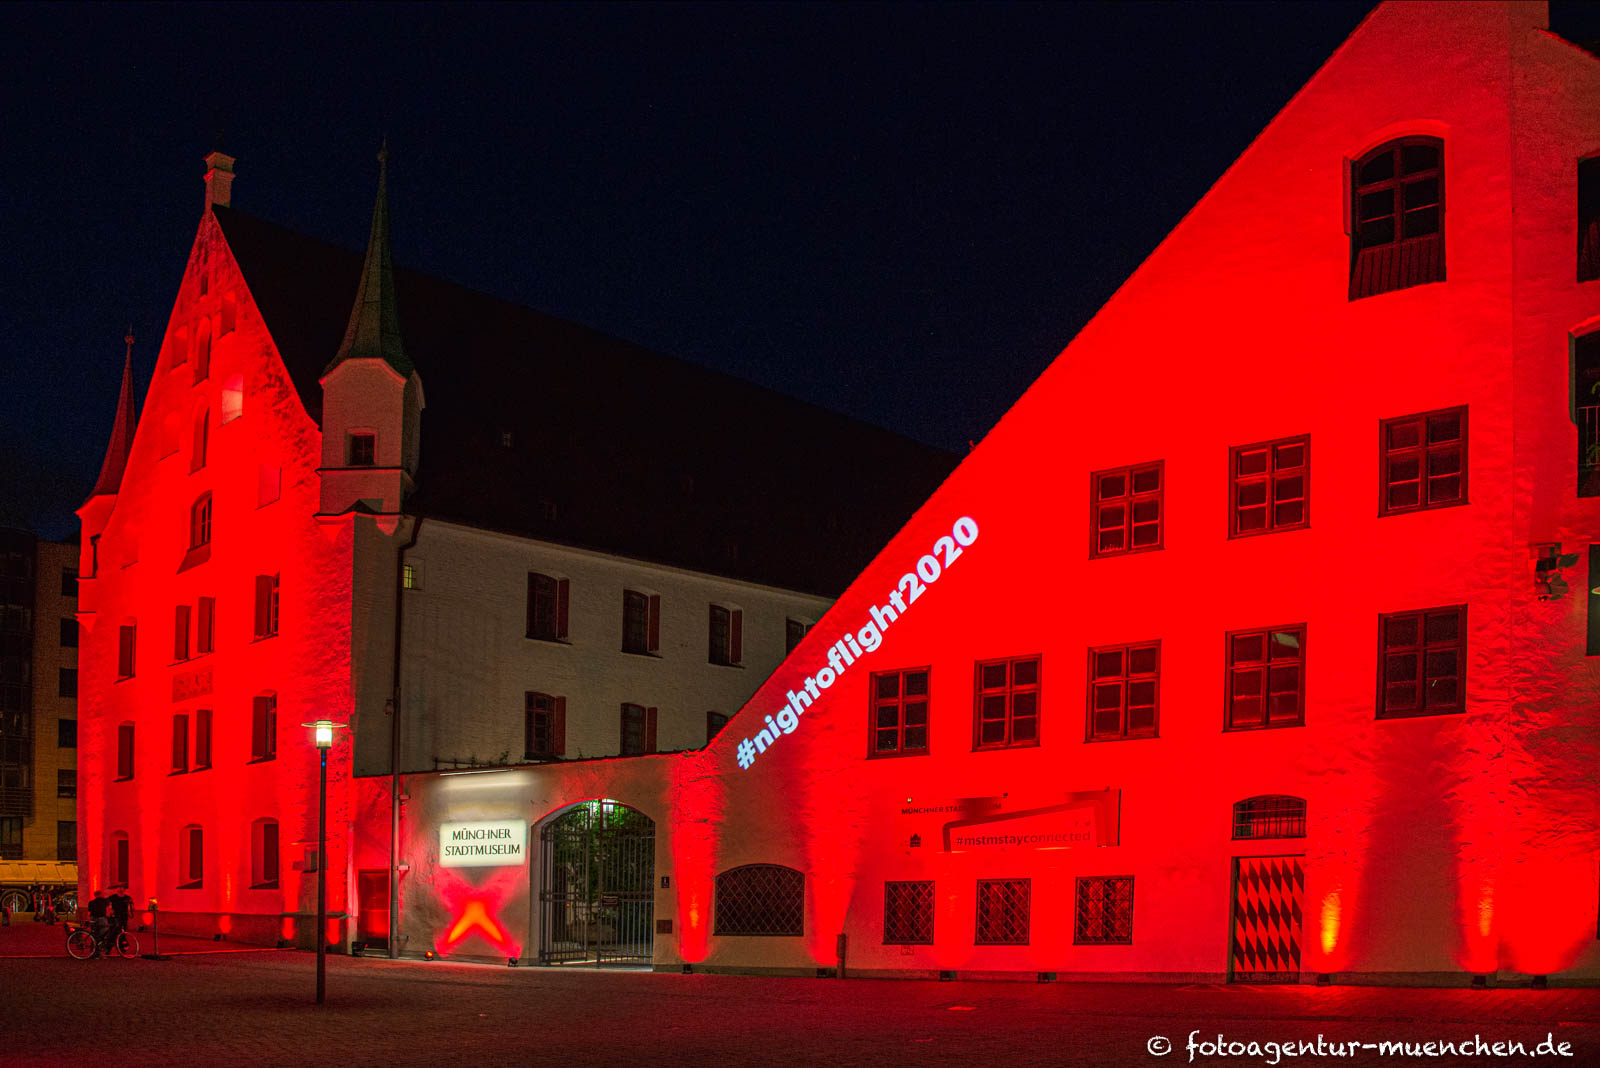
(121, 910)
(99, 925)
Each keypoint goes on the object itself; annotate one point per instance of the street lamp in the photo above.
(322, 734)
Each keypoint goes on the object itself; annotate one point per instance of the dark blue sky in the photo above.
(898, 212)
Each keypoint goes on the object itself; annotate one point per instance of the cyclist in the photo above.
(99, 925)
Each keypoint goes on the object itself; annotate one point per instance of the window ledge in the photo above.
(263, 886)
(1124, 738)
(190, 886)
(893, 753)
(548, 641)
(996, 746)
(1263, 727)
(1385, 513)
(177, 771)
(123, 778)
(263, 637)
(262, 760)
(652, 654)
(197, 555)
(1114, 553)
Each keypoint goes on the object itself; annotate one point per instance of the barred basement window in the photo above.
(1269, 816)
(1424, 461)
(1422, 662)
(1270, 487)
(1003, 912)
(761, 899)
(1397, 217)
(908, 913)
(1104, 912)
(1125, 509)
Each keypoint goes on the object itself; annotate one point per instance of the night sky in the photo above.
(902, 213)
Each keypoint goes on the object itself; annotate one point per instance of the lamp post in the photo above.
(322, 734)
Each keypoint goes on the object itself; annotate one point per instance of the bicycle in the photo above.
(81, 943)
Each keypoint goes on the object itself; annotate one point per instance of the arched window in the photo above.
(761, 899)
(264, 855)
(200, 522)
(1397, 217)
(232, 405)
(1270, 816)
(202, 352)
(191, 858)
(199, 438)
(117, 860)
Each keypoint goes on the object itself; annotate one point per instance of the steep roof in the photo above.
(374, 327)
(635, 453)
(122, 429)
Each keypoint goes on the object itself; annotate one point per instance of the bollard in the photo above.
(155, 934)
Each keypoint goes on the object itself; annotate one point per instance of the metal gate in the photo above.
(597, 893)
(1267, 920)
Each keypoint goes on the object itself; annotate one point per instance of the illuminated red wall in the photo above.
(141, 576)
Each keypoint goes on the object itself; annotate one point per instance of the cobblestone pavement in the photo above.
(224, 1008)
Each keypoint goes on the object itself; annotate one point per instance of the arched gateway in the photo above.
(597, 885)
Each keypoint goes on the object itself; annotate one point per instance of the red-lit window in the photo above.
(362, 448)
(205, 631)
(547, 607)
(1424, 461)
(641, 622)
(266, 618)
(119, 859)
(264, 855)
(1103, 915)
(1004, 907)
(202, 739)
(544, 726)
(1397, 217)
(1124, 691)
(1270, 488)
(180, 633)
(1422, 659)
(898, 713)
(202, 352)
(908, 913)
(715, 721)
(1586, 410)
(1269, 816)
(1266, 678)
(124, 751)
(726, 636)
(197, 448)
(264, 727)
(1006, 711)
(638, 730)
(200, 522)
(126, 639)
(1589, 219)
(180, 743)
(191, 858)
(1125, 509)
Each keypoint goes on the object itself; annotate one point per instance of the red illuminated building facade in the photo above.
(1133, 693)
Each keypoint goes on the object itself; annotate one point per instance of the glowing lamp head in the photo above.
(322, 732)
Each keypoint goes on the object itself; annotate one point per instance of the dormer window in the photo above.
(1397, 217)
(363, 449)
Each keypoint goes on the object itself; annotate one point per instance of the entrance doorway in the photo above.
(1267, 920)
(372, 908)
(597, 888)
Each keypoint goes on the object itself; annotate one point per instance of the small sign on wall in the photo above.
(484, 844)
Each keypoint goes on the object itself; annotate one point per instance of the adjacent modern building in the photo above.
(1131, 694)
(38, 715)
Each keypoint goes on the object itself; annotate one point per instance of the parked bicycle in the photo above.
(81, 942)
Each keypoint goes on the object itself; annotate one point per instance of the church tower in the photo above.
(371, 394)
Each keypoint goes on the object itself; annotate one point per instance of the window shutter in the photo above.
(202, 738)
(180, 633)
(654, 641)
(263, 605)
(125, 652)
(650, 730)
(258, 729)
(561, 608)
(528, 715)
(205, 629)
(735, 636)
(558, 728)
(532, 578)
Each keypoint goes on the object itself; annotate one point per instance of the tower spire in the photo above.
(374, 329)
(122, 429)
